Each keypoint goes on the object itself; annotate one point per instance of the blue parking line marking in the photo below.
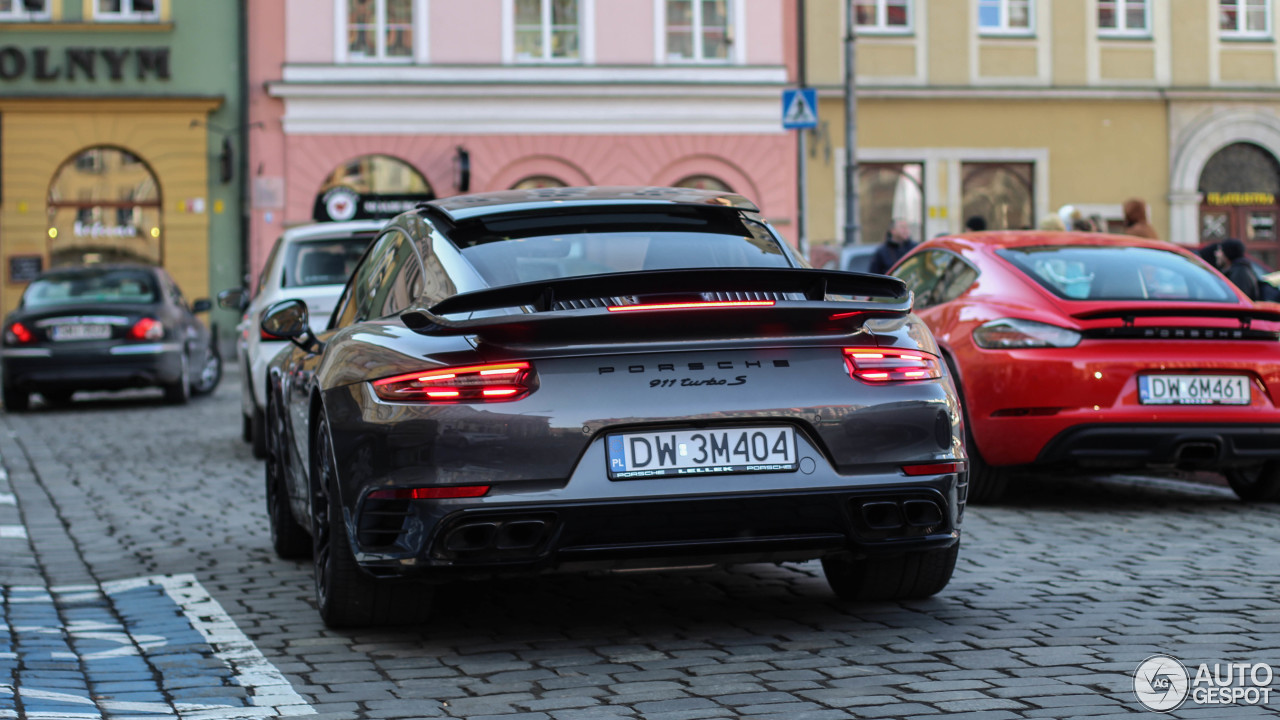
(156, 647)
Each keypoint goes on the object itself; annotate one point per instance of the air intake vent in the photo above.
(381, 523)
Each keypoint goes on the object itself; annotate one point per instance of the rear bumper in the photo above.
(1185, 446)
(433, 540)
(105, 367)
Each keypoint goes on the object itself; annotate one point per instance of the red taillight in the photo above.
(18, 334)
(147, 329)
(877, 365)
(499, 382)
(430, 493)
(693, 305)
(932, 468)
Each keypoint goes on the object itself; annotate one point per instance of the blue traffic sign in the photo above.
(799, 108)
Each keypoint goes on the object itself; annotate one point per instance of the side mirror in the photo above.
(233, 299)
(201, 305)
(288, 320)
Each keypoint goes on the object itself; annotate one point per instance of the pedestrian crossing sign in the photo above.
(799, 108)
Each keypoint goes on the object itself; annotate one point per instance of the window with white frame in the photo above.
(126, 10)
(380, 30)
(547, 31)
(1124, 17)
(882, 16)
(1244, 18)
(698, 30)
(11, 10)
(1006, 17)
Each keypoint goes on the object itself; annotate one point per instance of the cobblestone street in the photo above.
(135, 565)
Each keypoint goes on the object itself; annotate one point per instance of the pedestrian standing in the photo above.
(1135, 219)
(897, 243)
(975, 223)
(1239, 271)
(1212, 254)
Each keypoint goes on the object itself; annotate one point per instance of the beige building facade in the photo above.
(1010, 109)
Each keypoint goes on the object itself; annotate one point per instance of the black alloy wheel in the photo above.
(1256, 483)
(346, 595)
(15, 400)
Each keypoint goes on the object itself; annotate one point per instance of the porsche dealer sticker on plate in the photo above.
(1193, 389)
(702, 452)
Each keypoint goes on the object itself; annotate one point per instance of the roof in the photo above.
(333, 229)
(1040, 238)
(461, 207)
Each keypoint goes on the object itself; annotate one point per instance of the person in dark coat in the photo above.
(897, 243)
(1212, 254)
(1240, 271)
(975, 223)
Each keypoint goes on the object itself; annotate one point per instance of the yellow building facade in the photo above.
(1009, 110)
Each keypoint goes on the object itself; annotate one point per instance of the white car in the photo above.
(309, 263)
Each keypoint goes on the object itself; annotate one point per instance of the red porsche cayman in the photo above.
(1106, 352)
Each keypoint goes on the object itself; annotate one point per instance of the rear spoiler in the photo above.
(759, 299)
(1237, 312)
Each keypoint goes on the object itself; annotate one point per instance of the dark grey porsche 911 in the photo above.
(606, 378)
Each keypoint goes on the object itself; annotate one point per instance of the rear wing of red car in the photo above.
(669, 303)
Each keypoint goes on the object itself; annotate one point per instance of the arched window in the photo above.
(1002, 193)
(534, 182)
(1240, 187)
(378, 175)
(704, 182)
(105, 206)
(888, 192)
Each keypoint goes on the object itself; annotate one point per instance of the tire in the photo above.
(210, 374)
(986, 484)
(288, 538)
(909, 576)
(179, 391)
(1259, 483)
(258, 434)
(347, 596)
(246, 428)
(57, 397)
(16, 400)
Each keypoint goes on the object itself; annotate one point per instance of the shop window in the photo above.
(1006, 17)
(104, 206)
(547, 30)
(889, 192)
(380, 30)
(698, 31)
(126, 10)
(24, 10)
(1244, 18)
(533, 182)
(1001, 193)
(1240, 185)
(1124, 17)
(883, 16)
(705, 182)
(378, 175)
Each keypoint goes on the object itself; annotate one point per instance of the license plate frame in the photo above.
(1194, 389)
(79, 331)
(677, 452)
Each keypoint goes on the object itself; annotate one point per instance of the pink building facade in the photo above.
(392, 95)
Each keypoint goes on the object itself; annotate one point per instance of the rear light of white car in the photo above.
(496, 382)
(881, 365)
(1013, 333)
(147, 329)
(18, 334)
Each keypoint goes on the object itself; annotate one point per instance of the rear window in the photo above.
(108, 286)
(1119, 273)
(323, 262)
(506, 250)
